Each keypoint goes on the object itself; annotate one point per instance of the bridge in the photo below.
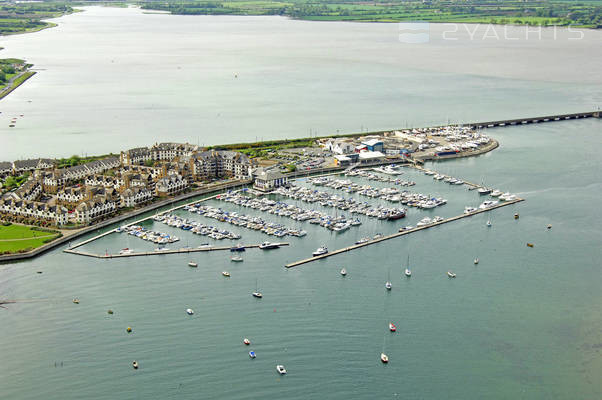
(534, 120)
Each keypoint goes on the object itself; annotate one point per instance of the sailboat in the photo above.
(257, 293)
(383, 357)
(408, 272)
(388, 284)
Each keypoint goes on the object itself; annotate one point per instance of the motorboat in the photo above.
(135, 364)
(344, 272)
(451, 274)
(530, 245)
(192, 264)
(257, 294)
(424, 221)
(238, 247)
(269, 245)
(516, 216)
(384, 358)
(483, 190)
(125, 251)
(396, 215)
(246, 341)
(226, 274)
(489, 223)
(281, 370)
(496, 193)
(252, 354)
(75, 301)
(388, 285)
(408, 272)
(320, 250)
(468, 210)
(549, 226)
(362, 240)
(236, 259)
(476, 261)
(189, 311)
(487, 204)
(392, 327)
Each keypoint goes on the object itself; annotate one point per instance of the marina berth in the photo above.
(337, 224)
(393, 195)
(148, 235)
(196, 227)
(245, 221)
(350, 205)
(362, 173)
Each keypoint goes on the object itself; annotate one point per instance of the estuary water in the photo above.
(524, 323)
(112, 78)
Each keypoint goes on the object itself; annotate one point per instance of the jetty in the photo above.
(163, 252)
(398, 234)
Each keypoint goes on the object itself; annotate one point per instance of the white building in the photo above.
(267, 180)
(134, 196)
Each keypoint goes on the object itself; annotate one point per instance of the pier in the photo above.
(162, 252)
(398, 234)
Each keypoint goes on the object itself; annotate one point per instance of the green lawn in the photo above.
(15, 238)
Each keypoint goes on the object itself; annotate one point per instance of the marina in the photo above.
(402, 233)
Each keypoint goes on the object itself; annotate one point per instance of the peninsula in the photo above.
(52, 198)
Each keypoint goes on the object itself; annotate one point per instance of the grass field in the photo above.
(15, 238)
(515, 12)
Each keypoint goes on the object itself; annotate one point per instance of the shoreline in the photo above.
(18, 81)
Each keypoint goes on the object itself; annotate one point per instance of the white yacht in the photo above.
(320, 250)
(468, 210)
(487, 204)
(495, 193)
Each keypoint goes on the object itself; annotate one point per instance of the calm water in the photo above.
(111, 79)
(525, 323)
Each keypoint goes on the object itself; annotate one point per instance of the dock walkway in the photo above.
(162, 252)
(398, 234)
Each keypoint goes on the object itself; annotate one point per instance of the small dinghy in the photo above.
(280, 369)
(226, 274)
(189, 311)
(489, 223)
(75, 301)
(384, 358)
(451, 274)
(252, 354)
(135, 364)
(530, 245)
(344, 272)
(392, 327)
(246, 341)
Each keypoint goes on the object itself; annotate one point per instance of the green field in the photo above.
(27, 17)
(528, 12)
(18, 238)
